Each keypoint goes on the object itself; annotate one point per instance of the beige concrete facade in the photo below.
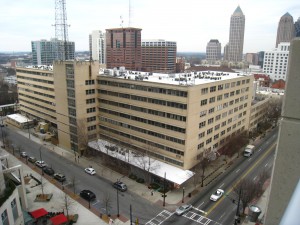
(179, 122)
(175, 122)
(286, 169)
(257, 113)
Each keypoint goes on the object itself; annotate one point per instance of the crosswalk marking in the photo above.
(160, 218)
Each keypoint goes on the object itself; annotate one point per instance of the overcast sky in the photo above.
(191, 23)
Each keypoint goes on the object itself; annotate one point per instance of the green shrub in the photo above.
(154, 186)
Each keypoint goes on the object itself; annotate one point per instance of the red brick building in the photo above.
(123, 48)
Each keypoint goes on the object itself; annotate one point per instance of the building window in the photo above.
(219, 98)
(90, 101)
(218, 117)
(201, 145)
(89, 82)
(91, 110)
(208, 140)
(90, 91)
(211, 120)
(204, 91)
(201, 135)
(203, 102)
(203, 113)
(202, 124)
(212, 99)
(213, 89)
(14, 209)
(209, 131)
(216, 136)
(217, 127)
(211, 110)
(4, 218)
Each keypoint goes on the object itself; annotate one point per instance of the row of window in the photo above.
(144, 99)
(145, 110)
(222, 133)
(223, 86)
(36, 99)
(4, 214)
(36, 80)
(35, 73)
(141, 130)
(144, 88)
(37, 86)
(226, 95)
(147, 142)
(36, 92)
(38, 112)
(143, 120)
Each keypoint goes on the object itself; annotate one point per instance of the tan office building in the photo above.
(178, 117)
(63, 96)
(175, 117)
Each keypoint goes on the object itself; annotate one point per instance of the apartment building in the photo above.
(97, 46)
(159, 56)
(177, 116)
(258, 113)
(213, 51)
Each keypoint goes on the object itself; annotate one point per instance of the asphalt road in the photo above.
(105, 193)
(223, 211)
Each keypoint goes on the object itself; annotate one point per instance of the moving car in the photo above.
(90, 171)
(249, 150)
(40, 164)
(32, 159)
(23, 154)
(60, 177)
(120, 186)
(48, 170)
(217, 195)
(183, 209)
(88, 195)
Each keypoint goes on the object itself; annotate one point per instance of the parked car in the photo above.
(48, 170)
(90, 171)
(183, 209)
(23, 154)
(88, 195)
(32, 159)
(217, 195)
(120, 186)
(40, 164)
(2, 125)
(60, 177)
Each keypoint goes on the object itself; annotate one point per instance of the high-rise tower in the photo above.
(286, 29)
(97, 46)
(236, 36)
(123, 48)
(213, 51)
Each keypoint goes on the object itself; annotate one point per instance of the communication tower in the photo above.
(61, 30)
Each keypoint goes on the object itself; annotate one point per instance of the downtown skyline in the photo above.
(191, 23)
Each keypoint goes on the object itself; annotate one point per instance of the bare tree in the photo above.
(202, 165)
(107, 203)
(274, 108)
(66, 203)
(82, 135)
(262, 177)
(42, 185)
(247, 190)
(74, 183)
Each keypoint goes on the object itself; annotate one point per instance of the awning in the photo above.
(38, 213)
(59, 219)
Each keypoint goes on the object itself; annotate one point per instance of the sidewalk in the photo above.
(174, 197)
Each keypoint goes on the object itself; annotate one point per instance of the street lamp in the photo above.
(40, 149)
(118, 209)
(237, 215)
(183, 195)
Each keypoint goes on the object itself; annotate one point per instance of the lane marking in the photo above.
(222, 216)
(200, 204)
(255, 178)
(222, 185)
(259, 149)
(237, 171)
(245, 174)
(266, 165)
(249, 159)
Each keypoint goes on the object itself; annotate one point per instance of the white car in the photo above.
(40, 164)
(183, 209)
(90, 171)
(217, 195)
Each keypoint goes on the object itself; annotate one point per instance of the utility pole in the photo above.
(237, 215)
(130, 215)
(164, 192)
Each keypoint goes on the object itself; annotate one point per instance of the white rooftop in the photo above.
(156, 167)
(19, 118)
(184, 79)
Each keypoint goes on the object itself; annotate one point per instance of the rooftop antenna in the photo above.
(122, 21)
(129, 20)
(61, 29)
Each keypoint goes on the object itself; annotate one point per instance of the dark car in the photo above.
(32, 159)
(48, 170)
(120, 186)
(88, 195)
(60, 177)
